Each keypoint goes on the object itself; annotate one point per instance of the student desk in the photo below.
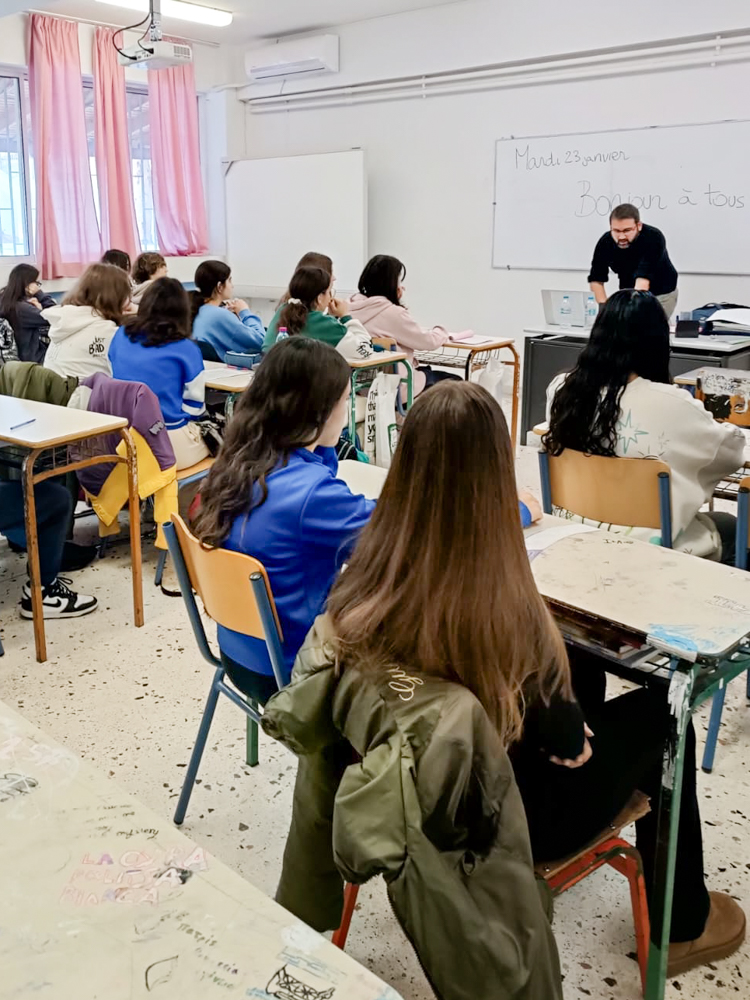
(43, 426)
(103, 898)
(361, 477)
(689, 615)
(550, 350)
(473, 349)
(225, 378)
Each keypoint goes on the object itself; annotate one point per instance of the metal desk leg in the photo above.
(516, 388)
(353, 407)
(680, 691)
(32, 550)
(134, 511)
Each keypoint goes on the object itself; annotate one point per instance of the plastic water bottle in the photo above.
(282, 334)
(565, 311)
(592, 310)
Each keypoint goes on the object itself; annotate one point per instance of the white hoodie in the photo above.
(79, 341)
(665, 422)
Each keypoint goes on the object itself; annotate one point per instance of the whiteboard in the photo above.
(553, 194)
(279, 208)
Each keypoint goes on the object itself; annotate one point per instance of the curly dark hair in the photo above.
(285, 407)
(163, 315)
(629, 337)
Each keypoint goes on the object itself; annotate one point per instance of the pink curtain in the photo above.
(116, 205)
(179, 207)
(67, 230)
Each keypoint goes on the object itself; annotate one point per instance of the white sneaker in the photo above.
(58, 601)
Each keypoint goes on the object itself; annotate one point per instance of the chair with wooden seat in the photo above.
(626, 491)
(740, 560)
(191, 474)
(235, 593)
(609, 848)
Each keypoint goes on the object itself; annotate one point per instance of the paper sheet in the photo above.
(541, 540)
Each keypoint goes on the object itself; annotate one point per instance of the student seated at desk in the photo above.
(21, 304)
(312, 311)
(310, 259)
(82, 328)
(273, 493)
(53, 510)
(619, 400)
(424, 595)
(155, 348)
(222, 323)
(148, 267)
(378, 306)
(118, 258)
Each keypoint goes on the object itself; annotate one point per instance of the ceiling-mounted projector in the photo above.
(154, 53)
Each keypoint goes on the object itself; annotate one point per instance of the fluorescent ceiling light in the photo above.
(181, 10)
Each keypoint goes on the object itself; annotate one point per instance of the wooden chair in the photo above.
(740, 560)
(627, 491)
(220, 578)
(184, 476)
(609, 848)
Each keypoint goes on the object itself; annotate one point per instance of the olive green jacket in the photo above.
(432, 806)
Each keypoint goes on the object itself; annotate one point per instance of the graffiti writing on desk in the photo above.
(160, 972)
(17, 748)
(717, 601)
(14, 785)
(137, 877)
(288, 987)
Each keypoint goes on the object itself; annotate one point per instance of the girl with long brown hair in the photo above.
(273, 493)
(440, 585)
(82, 328)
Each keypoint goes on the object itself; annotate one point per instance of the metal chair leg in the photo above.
(200, 745)
(2, 651)
(160, 567)
(747, 692)
(350, 901)
(251, 742)
(631, 867)
(714, 724)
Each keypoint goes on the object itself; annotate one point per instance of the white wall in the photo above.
(430, 161)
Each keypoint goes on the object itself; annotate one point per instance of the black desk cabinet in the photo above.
(546, 356)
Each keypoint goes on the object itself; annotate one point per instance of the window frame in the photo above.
(21, 74)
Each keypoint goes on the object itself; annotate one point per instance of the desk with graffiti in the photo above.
(655, 614)
(102, 898)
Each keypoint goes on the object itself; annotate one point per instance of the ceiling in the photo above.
(253, 19)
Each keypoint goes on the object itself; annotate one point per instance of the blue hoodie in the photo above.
(224, 331)
(302, 533)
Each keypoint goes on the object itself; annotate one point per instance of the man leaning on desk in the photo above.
(637, 253)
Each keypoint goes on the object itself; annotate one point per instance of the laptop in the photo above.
(553, 304)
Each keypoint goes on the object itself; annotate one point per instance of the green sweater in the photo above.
(319, 326)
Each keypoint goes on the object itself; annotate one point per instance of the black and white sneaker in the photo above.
(58, 601)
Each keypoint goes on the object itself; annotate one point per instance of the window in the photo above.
(14, 228)
(140, 161)
(140, 158)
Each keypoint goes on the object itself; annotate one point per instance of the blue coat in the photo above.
(225, 332)
(302, 533)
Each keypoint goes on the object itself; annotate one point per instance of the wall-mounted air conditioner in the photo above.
(297, 57)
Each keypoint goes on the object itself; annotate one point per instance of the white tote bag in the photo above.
(381, 430)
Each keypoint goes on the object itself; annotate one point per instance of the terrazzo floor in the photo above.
(130, 701)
